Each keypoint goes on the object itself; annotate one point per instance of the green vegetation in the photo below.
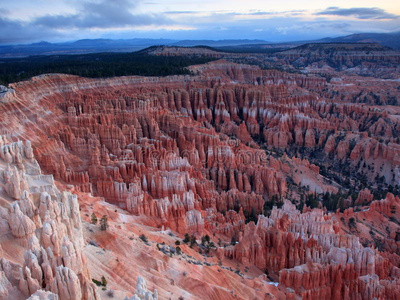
(268, 205)
(207, 243)
(96, 282)
(96, 65)
(193, 241)
(94, 218)
(101, 282)
(187, 238)
(252, 216)
(334, 201)
(312, 200)
(143, 238)
(103, 223)
(205, 239)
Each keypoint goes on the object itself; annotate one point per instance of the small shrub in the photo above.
(205, 239)
(177, 242)
(103, 223)
(193, 241)
(143, 238)
(187, 238)
(96, 282)
(103, 281)
(94, 218)
(178, 250)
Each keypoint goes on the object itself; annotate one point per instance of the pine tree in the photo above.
(94, 219)
(192, 241)
(187, 238)
(143, 238)
(103, 281)
(103, 223)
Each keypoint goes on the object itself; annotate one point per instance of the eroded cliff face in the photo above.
(340, 56)
(41, 232)
(199, 155)
(310, 254)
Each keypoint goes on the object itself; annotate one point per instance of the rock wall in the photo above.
(311, 255)
(42, 239)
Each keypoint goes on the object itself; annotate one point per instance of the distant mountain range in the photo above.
(81, 47)
(219, 43)
(391, 40)
(129, 45)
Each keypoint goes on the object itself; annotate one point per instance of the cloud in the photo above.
(308, 27)
(182, 12)
(75, 19)
(19, 32)
(222, 13)
(89, 15)
(358, 12)
(103, 14)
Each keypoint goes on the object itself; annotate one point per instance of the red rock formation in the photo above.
(312, 257)
(200, 155)
(364, 197)
(47, 226)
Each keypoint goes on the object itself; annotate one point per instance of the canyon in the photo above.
(235, 182)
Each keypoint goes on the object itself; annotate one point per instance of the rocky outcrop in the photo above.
(42, 295)
(203, 155)
(311, 256)
(141, 291)
(364, 197)
(339, 55)
(46, 225)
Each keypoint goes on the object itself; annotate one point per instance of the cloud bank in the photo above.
(126, 19)
(358, 12)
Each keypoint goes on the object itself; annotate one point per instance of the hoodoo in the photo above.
(233, 182)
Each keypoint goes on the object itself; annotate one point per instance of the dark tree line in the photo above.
(96, 65)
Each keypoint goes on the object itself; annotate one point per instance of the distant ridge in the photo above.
(391, 40)
(218, 43)
(83, 46)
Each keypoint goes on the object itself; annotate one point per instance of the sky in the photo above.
(26, 21)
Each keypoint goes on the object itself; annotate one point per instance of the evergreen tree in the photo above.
(187, 238)
(103, 223)
(143, 238)
(192, 241)
(94, 219)
(103, 281)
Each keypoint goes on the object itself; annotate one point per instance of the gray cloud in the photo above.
(90, 14)
(103, 14)
(228, 13)
(358, 12)
(118, 19)
(182, 12)
(15, 32)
